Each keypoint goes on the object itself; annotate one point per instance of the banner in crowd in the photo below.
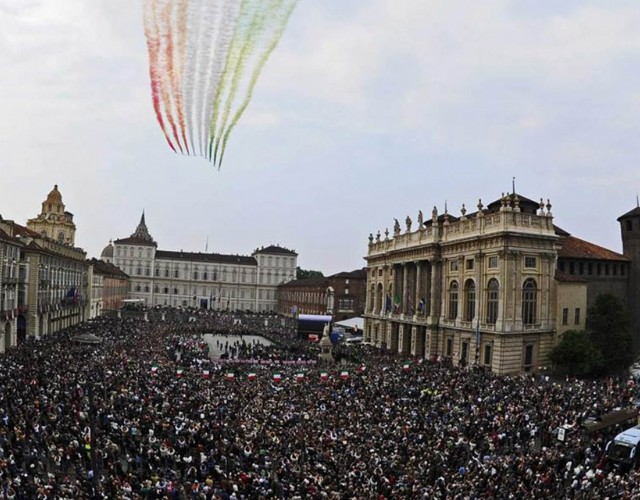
(292, 362)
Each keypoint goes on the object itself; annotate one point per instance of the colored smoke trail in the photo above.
(254, 77)
(205, 58)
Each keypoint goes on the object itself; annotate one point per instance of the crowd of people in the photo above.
(148, 414)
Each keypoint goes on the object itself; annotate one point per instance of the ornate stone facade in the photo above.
(478, 288)
(53, 221)
(202, 280)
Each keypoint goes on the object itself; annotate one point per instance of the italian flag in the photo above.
(179, 372)
(406, 367)
(205, 373)
(324, 376)
(344, 375)
(251, 376)
(277, 377)
(154, 370)
(230, 376)
(299, 377)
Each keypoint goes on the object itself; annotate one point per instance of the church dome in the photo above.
(107, 253)
(54, 195)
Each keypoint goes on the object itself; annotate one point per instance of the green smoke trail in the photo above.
(230, 59)
(257, 24)
(281, 25)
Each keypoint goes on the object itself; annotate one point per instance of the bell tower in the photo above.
(54, 222)
(630, 232)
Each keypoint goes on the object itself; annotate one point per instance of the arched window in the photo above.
(493, 290)
(453, 300)
(470, 300)
(529, 301)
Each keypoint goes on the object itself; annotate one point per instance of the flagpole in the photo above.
(477, 340)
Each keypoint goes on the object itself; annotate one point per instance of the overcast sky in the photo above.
(368, 110)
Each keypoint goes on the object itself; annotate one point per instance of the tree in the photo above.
(302, 274)
(608, 325)
(577, 354)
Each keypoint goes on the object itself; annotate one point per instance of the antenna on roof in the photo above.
(513, 185)
(206, 246)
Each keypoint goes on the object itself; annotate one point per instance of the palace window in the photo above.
(453, 265)
(565, 315)
(453, 300)
(487, 354)
(529, 302)
(528, 358)
(493, 262)
(470, 300)
(469, 263)
(530, 262)
(493, 290)
(577, 316)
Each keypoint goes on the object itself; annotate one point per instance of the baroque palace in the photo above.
(44, 279)
(495, 287)
(201, 280)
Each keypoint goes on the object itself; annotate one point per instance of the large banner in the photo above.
(292, 362)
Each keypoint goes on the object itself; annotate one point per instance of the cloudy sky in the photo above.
(368, 110)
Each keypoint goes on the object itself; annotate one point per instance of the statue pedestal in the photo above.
(326, 347)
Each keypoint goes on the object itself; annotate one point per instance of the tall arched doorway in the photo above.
(22, 329)
(7, 336)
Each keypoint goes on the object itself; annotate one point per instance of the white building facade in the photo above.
(201, 280)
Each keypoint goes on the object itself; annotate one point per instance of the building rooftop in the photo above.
(215, 258)
(575, 248)
(274, 249)
(357, 274)
(569, 278)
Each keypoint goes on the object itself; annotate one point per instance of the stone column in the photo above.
(434, 302)
(418, 287)
(405, 289)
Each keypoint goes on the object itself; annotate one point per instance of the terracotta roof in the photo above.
(357, 274)
(132, 240)
(207, 257)
(106, 269)
(575, 248)
(274, 249)
(6, 237)
(20, 231)
(569, 278)
(308, 282)
(631, 213)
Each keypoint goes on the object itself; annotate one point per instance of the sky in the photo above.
(368, 110)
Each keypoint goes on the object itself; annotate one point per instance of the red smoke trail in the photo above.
(165, 23)
(176, 76)
(153, 45)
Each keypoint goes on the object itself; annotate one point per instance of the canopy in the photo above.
(612, 418)
(352, 323)
(87, 338)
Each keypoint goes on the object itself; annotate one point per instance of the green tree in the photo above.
(608, 325)
(576, 354)
(302, 274)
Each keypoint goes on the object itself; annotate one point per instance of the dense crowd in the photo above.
(147, 414)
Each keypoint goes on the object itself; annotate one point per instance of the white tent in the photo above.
(352, 323)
